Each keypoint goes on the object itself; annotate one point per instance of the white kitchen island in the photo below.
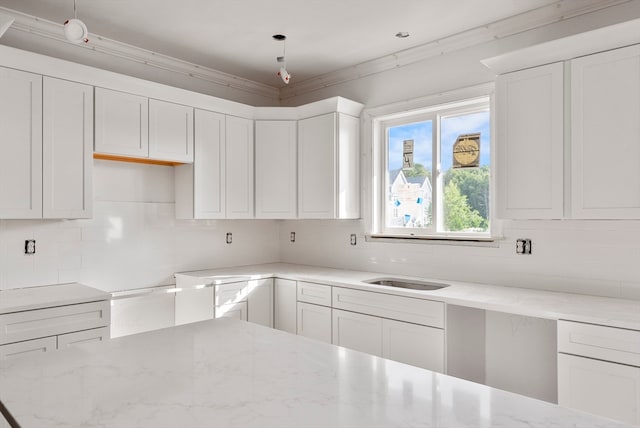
(229, 373)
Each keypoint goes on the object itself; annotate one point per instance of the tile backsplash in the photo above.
(133, 239)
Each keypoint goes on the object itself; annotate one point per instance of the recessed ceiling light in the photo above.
(402, 34)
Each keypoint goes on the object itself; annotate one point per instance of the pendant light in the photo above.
(5, 23)
(75, 30)
(283, 73)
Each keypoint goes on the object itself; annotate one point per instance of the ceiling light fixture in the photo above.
(74, 30)
(5, 23)
(402, 34)
(283, 73)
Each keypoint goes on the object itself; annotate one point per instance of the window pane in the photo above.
(408, 196)
(465, 189)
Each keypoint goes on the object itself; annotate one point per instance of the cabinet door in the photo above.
(20, 144)
(122, 123)
(357, 331)
(314, 322)
(200, 186)
(79, 337)
(29, 347)
(67, 149)
(413, 344)
(599, 387)
(170, 131)
(317, 178)
(605, 113)
(260, 302)
(285, 305)
(239, 168)
(276, 169)
(232, 310)
(530, 143)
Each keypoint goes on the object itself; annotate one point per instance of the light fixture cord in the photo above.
(75, 11)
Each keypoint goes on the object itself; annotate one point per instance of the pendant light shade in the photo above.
(5, 23)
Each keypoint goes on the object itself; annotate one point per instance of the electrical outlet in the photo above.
(229, 237)
(292, 237)
(523, 246)
(30, 246)
(353, 239)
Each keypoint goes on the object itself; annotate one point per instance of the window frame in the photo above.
(454, 103)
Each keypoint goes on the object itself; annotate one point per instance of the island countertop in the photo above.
(229, 373)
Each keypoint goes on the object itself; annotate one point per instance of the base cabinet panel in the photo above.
(28, 347)
(358, 332)
(260, 302)
(413, 344)
(285, 305)
(193, 305)
(314, 322)
(599, 387)
(232, 310)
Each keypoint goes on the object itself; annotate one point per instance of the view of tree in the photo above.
(458, 214)
(418, 170)
(466, 203)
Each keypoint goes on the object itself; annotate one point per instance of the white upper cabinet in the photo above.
(530, 143)
(328, 167)
(170, 131)
(605, 135)
(200, 186)
(67, 149)
(276, 169)
(122, 123)
(20, 144)
(239, 167)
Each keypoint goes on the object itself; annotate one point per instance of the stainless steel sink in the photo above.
(410, 284)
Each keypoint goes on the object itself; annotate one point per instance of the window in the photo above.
(434, 171)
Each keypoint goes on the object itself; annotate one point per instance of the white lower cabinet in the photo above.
(599, 370)
(418, 345)
(232, 310)
(358, 332)
(260, 302)
(314, 321)
(28, 347)
(284, 303)
(79, 337)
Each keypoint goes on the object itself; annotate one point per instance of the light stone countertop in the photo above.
(521, 301)
(229, 373)
(30, 298)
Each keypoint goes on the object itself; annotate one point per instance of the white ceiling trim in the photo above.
(52, 30)
(499, 29)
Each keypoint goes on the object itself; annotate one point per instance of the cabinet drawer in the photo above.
(79, 337)
(317, 294)
(19, 326)
(232, 310)
(231, 293)
(597, 341)
(29, 347)
(418, 311)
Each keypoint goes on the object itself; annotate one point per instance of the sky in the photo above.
(452, 127)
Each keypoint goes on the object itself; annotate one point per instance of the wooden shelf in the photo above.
(117, 158)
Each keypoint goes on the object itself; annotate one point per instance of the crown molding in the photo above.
(558, 11)
(51, 30)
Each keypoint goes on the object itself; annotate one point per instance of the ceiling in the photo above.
(234, 36)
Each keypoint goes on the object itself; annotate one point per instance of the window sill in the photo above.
(436, 240)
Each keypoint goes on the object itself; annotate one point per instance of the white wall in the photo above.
(133, 239)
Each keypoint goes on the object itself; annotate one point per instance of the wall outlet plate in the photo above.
(229, 238)
(523, 246)
(352, 239)
(292, 237)
(30, 246)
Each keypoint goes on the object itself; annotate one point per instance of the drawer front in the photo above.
(596, 341)
(79, 337)
(317, 294)
(29, 347)
(231, 293)
(418, 311)
(27, 325)
(232, 310)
